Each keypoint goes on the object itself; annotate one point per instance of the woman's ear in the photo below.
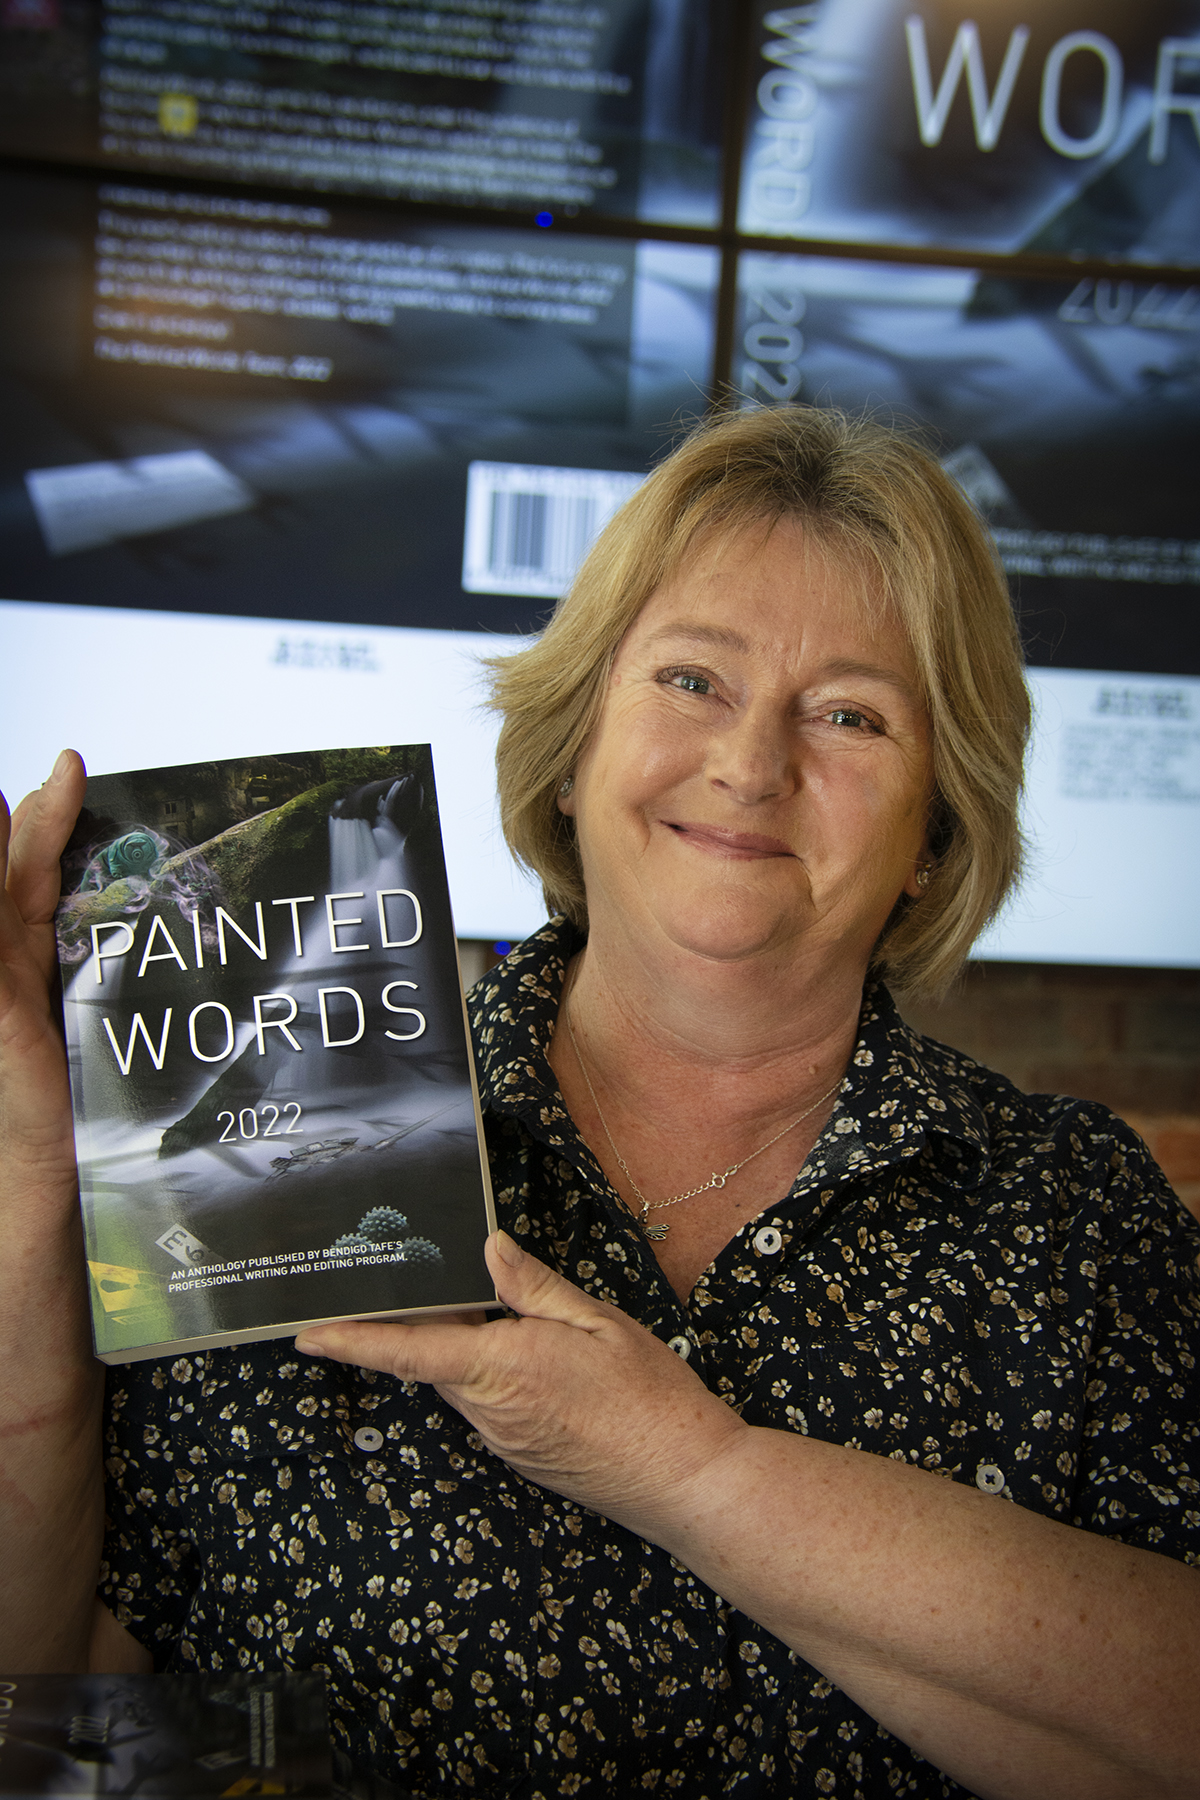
(566, 797)
(921, 873)
(919, 876)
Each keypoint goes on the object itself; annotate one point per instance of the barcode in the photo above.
(529, 528)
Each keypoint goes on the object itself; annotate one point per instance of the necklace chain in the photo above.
(715, 1180)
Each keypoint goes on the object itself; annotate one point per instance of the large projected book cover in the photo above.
(231, 1734)
(1069, 128)
(275, 1111)
(1063, 406)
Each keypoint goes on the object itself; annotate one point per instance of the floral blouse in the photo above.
(996, 1286)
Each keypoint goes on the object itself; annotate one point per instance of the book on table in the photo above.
(235, 1734)
(276, 1117)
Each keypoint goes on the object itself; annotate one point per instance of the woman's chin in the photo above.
(732, 935)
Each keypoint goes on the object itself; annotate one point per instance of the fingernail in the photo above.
(61, 767)
(509, 1252)
(308, 1346)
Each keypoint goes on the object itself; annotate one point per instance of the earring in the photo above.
(566, 786)
(923, 876)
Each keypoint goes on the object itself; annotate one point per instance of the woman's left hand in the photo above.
(572, 1393)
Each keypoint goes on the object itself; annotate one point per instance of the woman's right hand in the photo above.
(36, 1140)
(51, 1493)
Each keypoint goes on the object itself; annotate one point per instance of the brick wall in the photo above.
(1128, 1037)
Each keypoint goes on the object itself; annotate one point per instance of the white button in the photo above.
(989, 1479)
(368, 1438)
(768, 1241)
(681, 1346)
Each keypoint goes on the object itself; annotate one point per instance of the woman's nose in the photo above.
(753, 758)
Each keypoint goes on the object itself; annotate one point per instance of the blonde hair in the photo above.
(882, 503)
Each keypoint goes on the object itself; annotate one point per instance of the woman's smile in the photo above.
(721, 840)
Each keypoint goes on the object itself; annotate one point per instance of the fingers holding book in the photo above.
(35, 1115)
(51, 1512)
(33, 842)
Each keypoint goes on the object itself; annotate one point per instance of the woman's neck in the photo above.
(684, 1016)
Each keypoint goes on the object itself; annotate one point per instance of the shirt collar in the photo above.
(513, 1011)
(902, 1094)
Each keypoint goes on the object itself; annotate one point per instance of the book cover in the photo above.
(275, 1110)
(233, 1734)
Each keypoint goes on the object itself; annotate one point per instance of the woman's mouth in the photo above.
(719, 840)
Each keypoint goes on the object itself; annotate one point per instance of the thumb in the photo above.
(528, 1287)
(40, 828)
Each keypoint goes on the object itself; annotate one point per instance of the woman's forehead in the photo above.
(786, 546)
(782, 571)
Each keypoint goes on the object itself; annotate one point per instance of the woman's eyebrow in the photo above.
(848, 667)
(723, 636)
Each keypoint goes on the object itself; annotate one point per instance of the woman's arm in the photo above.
(1029, 1660)
(51, 1495)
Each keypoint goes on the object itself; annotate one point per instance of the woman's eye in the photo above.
(850, 719)
(688, 681)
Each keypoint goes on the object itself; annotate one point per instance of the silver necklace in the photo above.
(658, 1232)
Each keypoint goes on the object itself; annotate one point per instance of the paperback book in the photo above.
(276, 1118)
(235, 1734)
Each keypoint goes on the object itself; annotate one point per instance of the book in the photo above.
(276, 1118)
(235, 1734)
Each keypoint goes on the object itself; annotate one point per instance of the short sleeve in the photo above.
(1140, 1471)
(149, 1568)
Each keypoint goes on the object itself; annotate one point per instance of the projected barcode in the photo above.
(541, 534)
(529, 528)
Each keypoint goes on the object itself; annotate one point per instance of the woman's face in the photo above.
(760, 776)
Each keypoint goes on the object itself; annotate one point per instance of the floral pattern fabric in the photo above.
(995, 1286)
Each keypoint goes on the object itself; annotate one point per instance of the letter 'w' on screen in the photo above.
(987, 111)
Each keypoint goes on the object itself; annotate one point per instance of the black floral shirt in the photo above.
(996, 1286)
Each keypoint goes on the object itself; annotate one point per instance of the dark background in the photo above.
(356, 484)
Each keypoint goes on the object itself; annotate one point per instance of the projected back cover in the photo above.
(271, 407)
(275, 1112)
(612, 110)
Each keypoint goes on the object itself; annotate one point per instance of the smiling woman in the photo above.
(840, 1435)
(883, 524)
(786, 701)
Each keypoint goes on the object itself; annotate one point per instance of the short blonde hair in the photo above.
(880, 502)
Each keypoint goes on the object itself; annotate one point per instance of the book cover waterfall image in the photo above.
(230, 1734)
(276, 1120)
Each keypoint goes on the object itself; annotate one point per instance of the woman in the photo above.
(799, 1303)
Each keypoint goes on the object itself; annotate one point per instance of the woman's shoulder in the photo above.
(1073, 1148)
(1077, 1124)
